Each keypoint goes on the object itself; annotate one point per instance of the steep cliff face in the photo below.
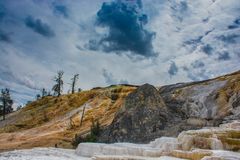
(149, 113)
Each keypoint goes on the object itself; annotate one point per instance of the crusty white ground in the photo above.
(42, 154)
(60, 154)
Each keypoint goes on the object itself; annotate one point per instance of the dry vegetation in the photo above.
(54, 121)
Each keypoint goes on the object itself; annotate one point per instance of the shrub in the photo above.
(92, 137)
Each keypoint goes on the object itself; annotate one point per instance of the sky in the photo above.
(115, 42)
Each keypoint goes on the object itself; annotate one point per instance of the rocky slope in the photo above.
(54, 122)
(126, 113)
(149, 113)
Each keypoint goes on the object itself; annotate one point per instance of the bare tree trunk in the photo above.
(82, 115)
(73, 85)
(59, 86)
(4, 108)
(74, 79)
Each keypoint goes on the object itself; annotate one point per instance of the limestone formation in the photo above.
(209, 143)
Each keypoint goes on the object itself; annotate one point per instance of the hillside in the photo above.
(149, 113)
(54, 121)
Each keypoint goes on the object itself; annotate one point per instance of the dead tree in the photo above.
(73, 84)
(82, 115)
(57, 88)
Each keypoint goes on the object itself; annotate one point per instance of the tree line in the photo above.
(58, 86)
(6, 101)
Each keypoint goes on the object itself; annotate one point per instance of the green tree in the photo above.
(7, 102)
(38, 96)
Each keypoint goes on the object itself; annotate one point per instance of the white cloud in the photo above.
(30, 61)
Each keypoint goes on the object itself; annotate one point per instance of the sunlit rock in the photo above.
(193, 155)
(226, 137)
(223, 155)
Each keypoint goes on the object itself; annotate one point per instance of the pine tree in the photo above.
(38, 96)
(7, 102)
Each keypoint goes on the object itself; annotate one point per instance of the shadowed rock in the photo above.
(143, 114)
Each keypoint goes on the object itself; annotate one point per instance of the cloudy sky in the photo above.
(115, 41)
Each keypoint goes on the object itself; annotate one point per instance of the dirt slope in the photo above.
(54, 121)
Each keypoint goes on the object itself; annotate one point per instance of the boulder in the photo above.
(140, 119)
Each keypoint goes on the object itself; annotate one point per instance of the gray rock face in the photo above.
(144, 117)
(143, 114)
(149, 113)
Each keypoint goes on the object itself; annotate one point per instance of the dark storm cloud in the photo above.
(126, 32)
(39, 27)
(236, 24)
(207, 49)
(194, 41)
(233, 26)
(224, 56)
(173, 69)
(237, 21)
(231, 38)
(2, 12)
(61, 10)
(180, 9)
(197, 64)
(4, 37)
